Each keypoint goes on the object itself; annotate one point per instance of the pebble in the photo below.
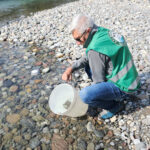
(90, 146)
(85, 77)
(13, 118)
(59, 55)
(90, 127)
(1, 105)
(59, 143)
(121, 122)
(77, 75)
(34, 143)
(140, 146)
(112, 143)
(34, 72)
(99, 146)
(7, 83)
(146, 121)
(13, 88)
(113, 119)
(99, 134)
(24, 112)
(46, 70)
(56, 130)
(45, 130)
(82, 145)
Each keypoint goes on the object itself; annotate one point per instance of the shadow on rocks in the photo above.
(141, 98)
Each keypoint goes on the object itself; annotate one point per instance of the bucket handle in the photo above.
(72, 82)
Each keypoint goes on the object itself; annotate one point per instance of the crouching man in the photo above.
(107, 61)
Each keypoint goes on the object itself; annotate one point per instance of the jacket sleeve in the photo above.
(99, 65)
(80, 63)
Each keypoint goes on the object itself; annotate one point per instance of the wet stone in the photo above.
(45, 130)
(1, 105)
(13, 88)
(24, 112)
(2, 75)
(99, 134)
(27, 136)
(59, 143)
(56, 131)
(8, 136)
(2, 61)
(110, 133)
(90, 146)
(82, 145)
(99, 146)
(2, 116)
(13, 118)
(17, 139)
(90, 127)
(34, 143)
(7, 83)
(38, 118)
(27, 123)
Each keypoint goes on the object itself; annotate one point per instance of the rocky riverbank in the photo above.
(31, 66)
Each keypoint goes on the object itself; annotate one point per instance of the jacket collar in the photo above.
(93, 31)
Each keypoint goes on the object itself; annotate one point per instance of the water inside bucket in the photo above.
(61, 98)
(62, 105)
(67, 104)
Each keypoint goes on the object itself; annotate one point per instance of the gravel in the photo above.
(40, 48)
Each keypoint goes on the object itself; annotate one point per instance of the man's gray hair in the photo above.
(81, 23)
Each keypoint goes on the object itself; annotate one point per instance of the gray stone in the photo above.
(140, 146)
(27, 123)
(146, 121)
(8, 83)
(1, 105)
(112, 143)
(45, 130)
(99, 146)
(99, 134)
(90, 127)
(2, 61)
(77, 75)
(56, 130)
(82, 145)
(34, 142)
(90, 146)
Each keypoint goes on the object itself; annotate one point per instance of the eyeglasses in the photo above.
(79, 38)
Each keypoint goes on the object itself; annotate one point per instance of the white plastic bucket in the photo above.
(65, 100)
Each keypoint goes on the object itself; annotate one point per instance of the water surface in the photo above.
(12, 9)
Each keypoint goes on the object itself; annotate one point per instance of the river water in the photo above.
(13, 9)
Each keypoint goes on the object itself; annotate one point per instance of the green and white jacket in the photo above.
(124, 74)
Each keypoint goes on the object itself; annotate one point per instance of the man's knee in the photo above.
(84, 95)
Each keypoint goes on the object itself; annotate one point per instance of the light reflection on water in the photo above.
(11, 9)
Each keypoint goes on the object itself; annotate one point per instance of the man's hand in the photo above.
(67, 75)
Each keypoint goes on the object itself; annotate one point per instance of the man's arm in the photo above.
(67, 75)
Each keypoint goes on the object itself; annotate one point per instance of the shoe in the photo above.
(106, 114)
(92, 111)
